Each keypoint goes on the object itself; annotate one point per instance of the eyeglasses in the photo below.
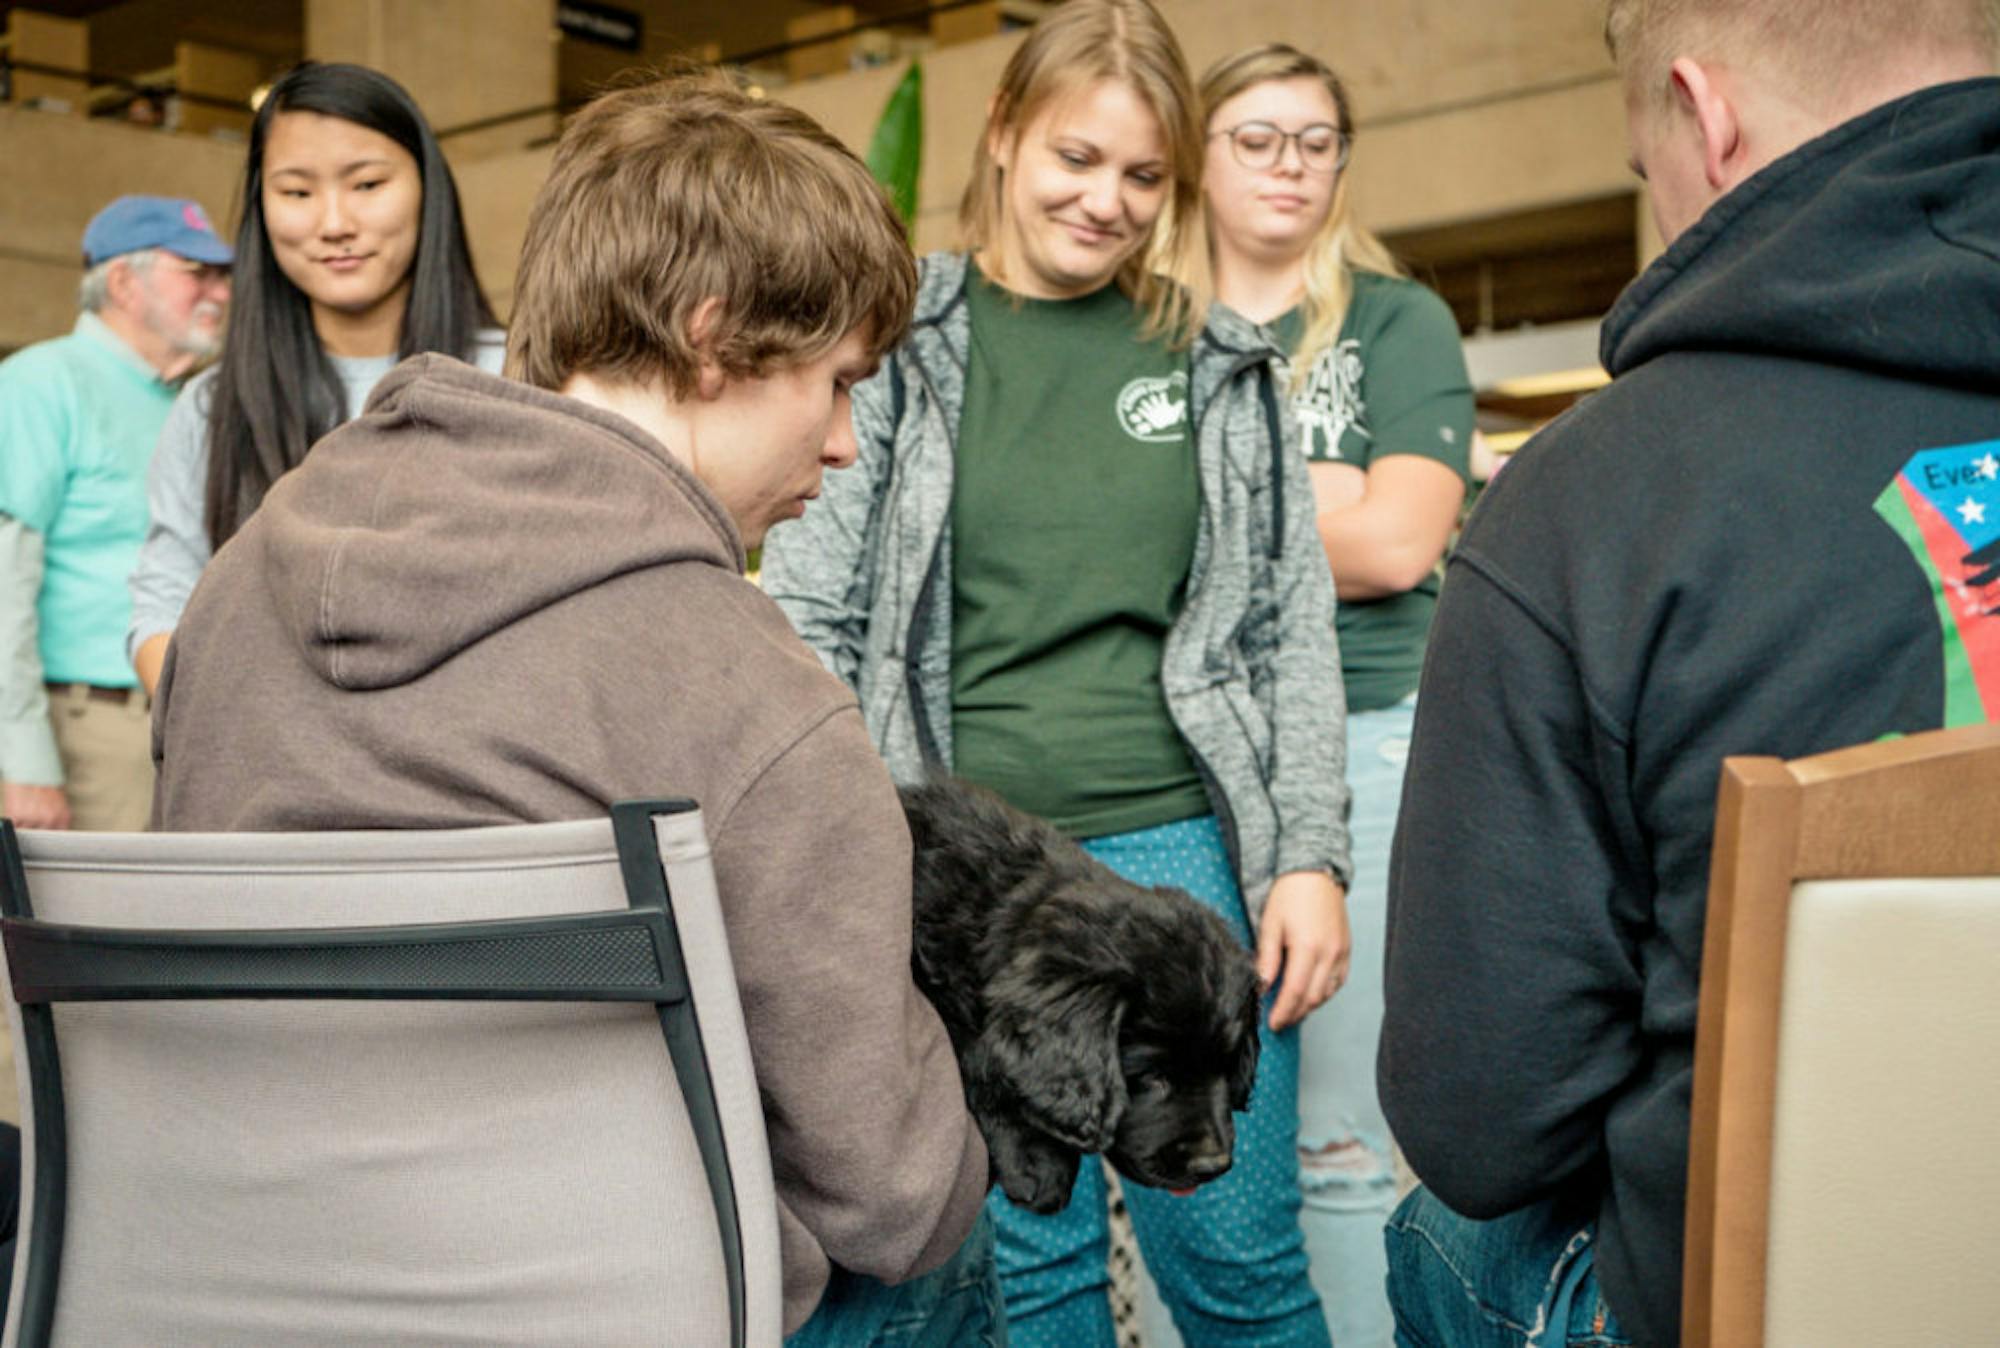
(204, 273)
(1322, 146)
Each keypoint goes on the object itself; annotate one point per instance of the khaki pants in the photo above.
(107, 758)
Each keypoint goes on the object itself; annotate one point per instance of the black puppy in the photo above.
(1089, 1014)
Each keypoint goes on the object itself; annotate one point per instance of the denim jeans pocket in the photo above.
(1525, 1280)
(971, 1313)
(957, 1303)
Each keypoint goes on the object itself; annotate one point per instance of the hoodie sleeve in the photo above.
(1512, 997)
(1309, 763)
(871, 1144)
(28, 752)
(821, 569)
(176, 547)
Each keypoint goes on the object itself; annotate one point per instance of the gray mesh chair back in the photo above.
(385, 1088)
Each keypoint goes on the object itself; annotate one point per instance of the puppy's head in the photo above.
(1126, 1020)
(1187, 1046)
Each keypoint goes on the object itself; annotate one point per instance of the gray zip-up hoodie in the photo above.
(1251, 671)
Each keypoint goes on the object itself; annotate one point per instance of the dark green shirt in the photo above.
(1393, 383)
(1073, 517)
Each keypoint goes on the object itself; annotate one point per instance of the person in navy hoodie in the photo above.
(1773, 533)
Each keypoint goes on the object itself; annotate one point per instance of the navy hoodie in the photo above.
(1776, 532)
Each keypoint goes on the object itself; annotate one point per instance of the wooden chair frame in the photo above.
(1893, 808)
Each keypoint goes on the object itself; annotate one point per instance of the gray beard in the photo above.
(201, 348)
(191, 341)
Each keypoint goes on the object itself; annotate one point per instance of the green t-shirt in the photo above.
(1394, 383)
(1073, 523)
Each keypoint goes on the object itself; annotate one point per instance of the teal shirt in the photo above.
(1074, 507)
(1393, 382)
(79, 417)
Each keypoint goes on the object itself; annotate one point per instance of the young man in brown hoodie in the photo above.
(489, 601)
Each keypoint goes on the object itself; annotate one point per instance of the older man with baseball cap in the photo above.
(79, 416)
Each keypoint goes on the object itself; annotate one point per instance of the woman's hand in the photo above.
(146, 661)
(1305, 932)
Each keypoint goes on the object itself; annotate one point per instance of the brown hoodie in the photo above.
(483, 603)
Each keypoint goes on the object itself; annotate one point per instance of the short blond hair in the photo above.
(1815, 49)
(669, 193)
(1079, 43)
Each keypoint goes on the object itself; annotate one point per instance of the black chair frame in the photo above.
(630, 955)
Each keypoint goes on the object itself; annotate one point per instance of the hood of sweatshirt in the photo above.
(458, 503)
(1875, 246)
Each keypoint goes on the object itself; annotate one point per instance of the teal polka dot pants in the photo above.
(1228, 1259)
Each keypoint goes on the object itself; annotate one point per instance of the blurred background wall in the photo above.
(1490, 152)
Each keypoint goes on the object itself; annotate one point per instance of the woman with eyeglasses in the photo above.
(1384, 416)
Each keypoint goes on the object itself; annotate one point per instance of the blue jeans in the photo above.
(1525, 1280)
(1228, 1258)
(956, 1305)
(1346, 1167)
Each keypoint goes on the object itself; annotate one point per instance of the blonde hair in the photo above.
(666, 194)
(1343, 245)
(1814, 49)
(1076, 45)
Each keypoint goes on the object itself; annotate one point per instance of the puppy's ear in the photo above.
(1243, 1072)
(1054, 1038)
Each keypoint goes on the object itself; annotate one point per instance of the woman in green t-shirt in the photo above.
(1072, 563)
(1384, 415)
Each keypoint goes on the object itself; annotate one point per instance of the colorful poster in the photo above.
(1945, 505)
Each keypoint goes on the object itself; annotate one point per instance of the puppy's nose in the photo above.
(1205, 1166)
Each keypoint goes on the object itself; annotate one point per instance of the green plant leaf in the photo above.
(895, 154)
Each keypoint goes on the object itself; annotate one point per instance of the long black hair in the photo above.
(275, 389)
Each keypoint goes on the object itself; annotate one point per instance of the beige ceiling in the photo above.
(133, 36)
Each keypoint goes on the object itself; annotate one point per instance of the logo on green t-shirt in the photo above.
(1330, 403)
(1154, 408)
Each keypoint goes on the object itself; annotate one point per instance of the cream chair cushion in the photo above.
(1885, 1183)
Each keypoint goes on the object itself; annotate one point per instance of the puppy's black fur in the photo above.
(1089, 1014)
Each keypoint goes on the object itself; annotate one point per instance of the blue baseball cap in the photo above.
(131, 223)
